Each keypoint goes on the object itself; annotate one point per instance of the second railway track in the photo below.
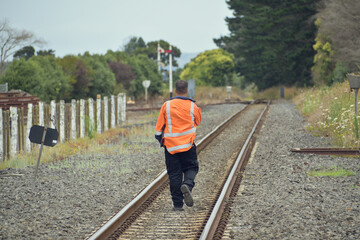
(156, 220)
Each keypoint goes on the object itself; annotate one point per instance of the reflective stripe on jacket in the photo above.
(180, 116)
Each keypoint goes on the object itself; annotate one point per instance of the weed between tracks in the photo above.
(332, 172)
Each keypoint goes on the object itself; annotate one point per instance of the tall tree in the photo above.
(133, 44)
(123, 73)
(11, 40)
(80, 75)
(140, 67)
(271, 40)
(103, 79)
(151, 51)
(210, 68)
(339, 21)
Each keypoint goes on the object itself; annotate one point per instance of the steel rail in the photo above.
(138, 109)
(328, 151)
(214, 219)
(125, 213)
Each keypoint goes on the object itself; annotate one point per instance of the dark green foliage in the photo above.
(338, 74)
(145, 69)
(49, 52)
(140, 67)
(151, 51)
(103, 79)
(54, 83)
(25, 52)
(83, 76)
(271, 41)
(123, 73)
(80, 74)
(23, 75)
(134, 44)
(40, 76)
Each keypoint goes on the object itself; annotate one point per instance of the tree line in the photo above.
(294, 42)
(77, 77)
(271, 43)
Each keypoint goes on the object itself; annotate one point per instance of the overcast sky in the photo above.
(76, 26)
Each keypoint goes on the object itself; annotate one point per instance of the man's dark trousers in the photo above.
(178, 164)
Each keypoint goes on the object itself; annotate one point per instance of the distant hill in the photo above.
(185, 58)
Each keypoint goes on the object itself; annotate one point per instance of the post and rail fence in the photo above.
(76, 119)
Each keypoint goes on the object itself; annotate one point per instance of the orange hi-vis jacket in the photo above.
(180, 116)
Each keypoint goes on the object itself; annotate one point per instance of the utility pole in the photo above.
(170, 72)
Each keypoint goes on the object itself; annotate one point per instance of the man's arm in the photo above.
(197, 115)
(160, 125)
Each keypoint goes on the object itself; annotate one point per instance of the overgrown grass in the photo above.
(274, 93)
(332, 172)
(330, 112)
(112, 142)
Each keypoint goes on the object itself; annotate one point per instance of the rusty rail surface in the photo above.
(328, 151)
(128, 214)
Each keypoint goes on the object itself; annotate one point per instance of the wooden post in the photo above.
(91, 114)
(119, 102)
(62, 121)
(41, 114)
(82, 118)
(112, 111)
(73, 119)
(53, 114)
(1, 136)
(14, 131)
(6, 130)
(106, 114)
(123, 107)
(98, 111)
(28, 127)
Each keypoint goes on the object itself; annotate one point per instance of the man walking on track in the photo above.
(176, 131)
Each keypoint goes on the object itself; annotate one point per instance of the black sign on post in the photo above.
(36, 134)
(44, 136)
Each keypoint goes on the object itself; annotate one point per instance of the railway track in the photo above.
(222, 158)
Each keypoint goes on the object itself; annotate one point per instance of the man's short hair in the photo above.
(181, 87)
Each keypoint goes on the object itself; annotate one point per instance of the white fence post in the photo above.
(14, 131)
(112, 111)
(82, 118)
(1, 135)
(53, 114)
(28, 127)
(73, 119)
(98, 111)
(91, 114)
(106, 114)
(119, 102)
(41, 114)
(122, 97)
(62, 121)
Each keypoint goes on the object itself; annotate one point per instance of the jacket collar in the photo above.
(183, 98)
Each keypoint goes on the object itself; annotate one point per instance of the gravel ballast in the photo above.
(277, 199)
(72, 198)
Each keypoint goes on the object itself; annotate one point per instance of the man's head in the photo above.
(181, 88)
